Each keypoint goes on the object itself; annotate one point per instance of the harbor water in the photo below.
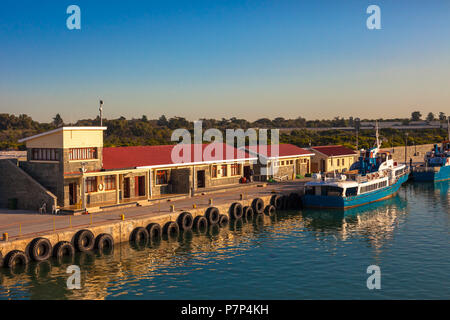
(310, 254)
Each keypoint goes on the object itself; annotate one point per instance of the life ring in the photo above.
(101, 187)
(369, 177)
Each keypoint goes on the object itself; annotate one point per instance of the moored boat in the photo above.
(373, 178)
(436, 166)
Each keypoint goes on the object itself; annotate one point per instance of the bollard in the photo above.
(172, 208)
(210, 201)
(241, 196)
(194, 206)
(70, 221)
(5, 236)
(122, 217)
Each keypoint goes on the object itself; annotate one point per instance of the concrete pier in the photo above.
(57, 228)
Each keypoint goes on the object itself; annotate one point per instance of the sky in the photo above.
(217, 58)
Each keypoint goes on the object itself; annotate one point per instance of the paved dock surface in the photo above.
(20, 224)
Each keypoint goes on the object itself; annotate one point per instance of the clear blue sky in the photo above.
(215, 58)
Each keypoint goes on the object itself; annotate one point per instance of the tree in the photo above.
(162, 121)
(442, 116)
(58, 121)
(144, 118)
(416, 116)
(430, 117)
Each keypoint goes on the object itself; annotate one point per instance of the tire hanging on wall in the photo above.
(15, 258)
(185, 221)
(270, 210)
(171, 229)
(154, 231)
(248, 213)
(63, 249)
(236, 211)
(40, 249)
(276, 201)
(258, 205)
(212, 215)
(104, 243)
(200, 224)
(84, 240)
(139, 236)
(223, 220)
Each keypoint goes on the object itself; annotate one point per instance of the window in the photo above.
(82, 153)
(235, 169)
(91, 184)
(110, 182)
(353, 191)
(214, 171)
(291, 162)
(44, 154)
(224, 170)
(162, 176)
(282, 163)
(338, 162)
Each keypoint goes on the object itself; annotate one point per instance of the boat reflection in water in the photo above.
(375, 222)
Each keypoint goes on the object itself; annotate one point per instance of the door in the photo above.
(126, 187)
(247, 172)
(139, 186)
(201, 179)
(72, 193)
(322, 167)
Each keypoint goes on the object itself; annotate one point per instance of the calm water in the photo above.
(299, 255)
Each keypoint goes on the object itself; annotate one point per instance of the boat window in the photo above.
(351, 192)
(331, 191)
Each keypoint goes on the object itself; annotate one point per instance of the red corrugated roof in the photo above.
(332, 151)
(284, 150)
(142, 156)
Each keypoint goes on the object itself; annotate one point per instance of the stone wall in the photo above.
(16, 183)
(416, 153)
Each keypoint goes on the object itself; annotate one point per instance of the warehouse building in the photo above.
(332, 158)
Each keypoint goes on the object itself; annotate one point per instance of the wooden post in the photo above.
(117, 189)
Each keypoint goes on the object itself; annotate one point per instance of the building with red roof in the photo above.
(77, 172)
(332, 158)
(280, 161)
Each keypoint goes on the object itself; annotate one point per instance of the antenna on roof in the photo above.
(101, 113)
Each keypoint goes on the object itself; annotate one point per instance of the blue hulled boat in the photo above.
(373, 178)
(436, 166)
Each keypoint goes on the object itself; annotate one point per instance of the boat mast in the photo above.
(377, 135)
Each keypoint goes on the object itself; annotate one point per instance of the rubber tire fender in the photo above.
(36, 246)
(223, 220)
(104, 240)
(212, 214)
(79, 242)
(248, 212)
(61, 248)
(15, 256)
(154, 231)
(185, 221)
(139, 235)
(200, 224)
(270, 210)
(258, 205)
(236, 211)
(171, 229)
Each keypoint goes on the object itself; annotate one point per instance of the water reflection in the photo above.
(168, 265)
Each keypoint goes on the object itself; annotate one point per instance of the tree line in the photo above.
(144, 131)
